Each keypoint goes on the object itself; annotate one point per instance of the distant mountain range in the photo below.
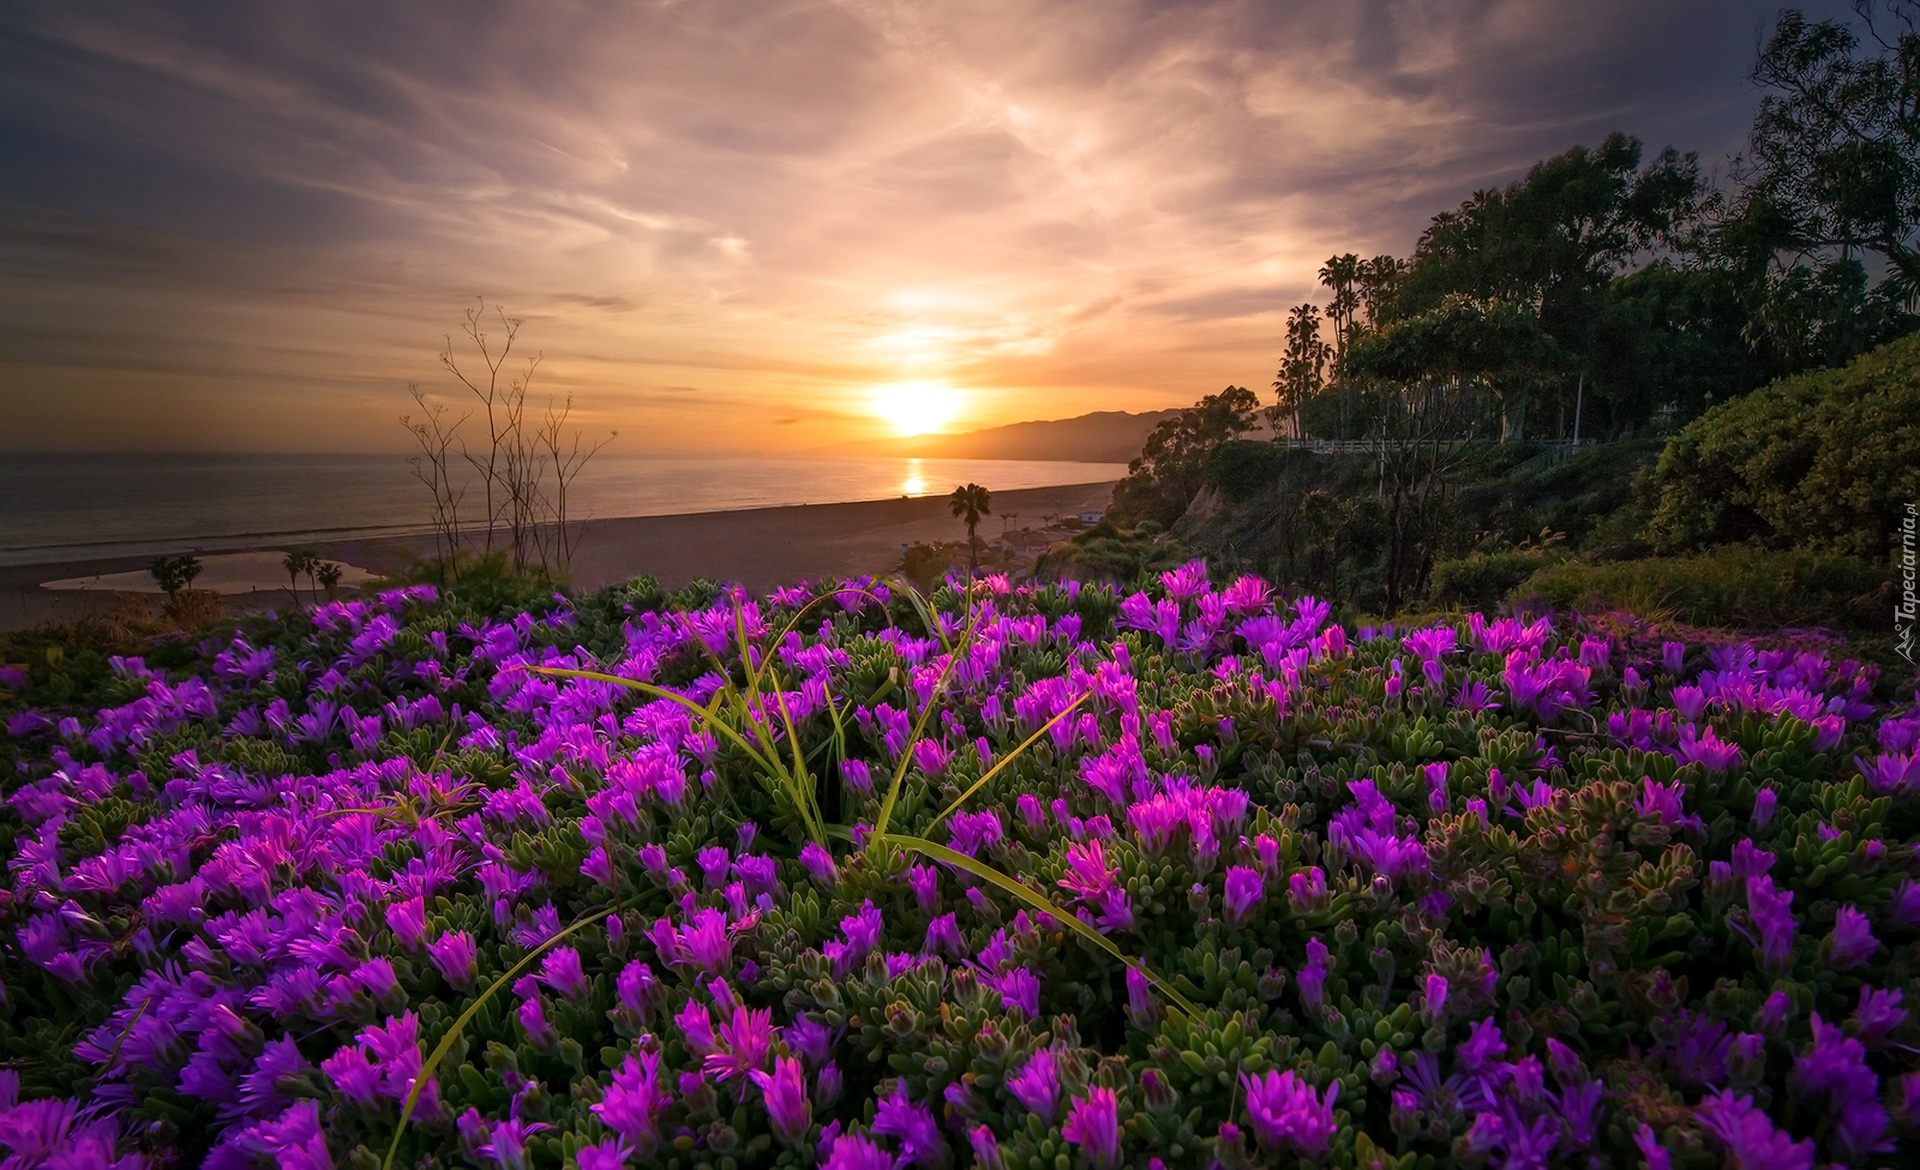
(1106, 436)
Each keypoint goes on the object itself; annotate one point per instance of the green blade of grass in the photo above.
(431, 1067)
(1009, 758)
(920, 725)
(1040, 902)
(711, 718)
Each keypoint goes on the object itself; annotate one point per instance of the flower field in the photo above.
(1036, 877)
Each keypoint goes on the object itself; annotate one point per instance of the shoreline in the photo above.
(756, 547)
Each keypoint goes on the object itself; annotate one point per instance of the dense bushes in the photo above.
(1822, 461)
(1737, 587)
(1486, 893)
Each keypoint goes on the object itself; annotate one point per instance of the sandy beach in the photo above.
(759, 548)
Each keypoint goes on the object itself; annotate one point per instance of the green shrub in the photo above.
(1734, 586)
(1480, 580)
(1821, 461)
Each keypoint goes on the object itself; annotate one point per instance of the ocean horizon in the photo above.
(96, 506)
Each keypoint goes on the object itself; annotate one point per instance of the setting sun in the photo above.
(916, 408)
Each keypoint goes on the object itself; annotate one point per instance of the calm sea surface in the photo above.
(64, 507)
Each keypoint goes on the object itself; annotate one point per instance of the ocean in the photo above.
(74, 507)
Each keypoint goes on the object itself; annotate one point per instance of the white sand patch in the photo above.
(228, 573)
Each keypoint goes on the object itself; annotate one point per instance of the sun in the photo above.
(916, 408)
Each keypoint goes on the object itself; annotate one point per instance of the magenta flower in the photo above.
(972, 832)
(986, 1148)
(1749, 1137)
(1772, 914)
(1037, 1084)
(454, 956)
(562, 972)
(634, 1101)
(633, 987)
(1707, 749)
(1433, 1005)
(1018, 988)
(912, 1125)
(1313, 976)
(1140, 1006)
(1878, 1013)
(611, 1154)
(705, 943)
(1246, 889)
(408, 921)
(1287, 1115)
(1308, 891)
(860, 933)
(741, 1043)
(533, 1021)
(819, 863)
(785, 1093)
(852, 1152)
(1851, 943)
(1093, 1124)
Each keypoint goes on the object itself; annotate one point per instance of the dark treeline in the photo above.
(1604, 297)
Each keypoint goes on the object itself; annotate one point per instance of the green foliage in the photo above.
(1834, 156)
(1821, 461)
(1512, 500)
(1481, 580)
(1171, 469)
(1736, 586)
(174, 573)
(924, 565)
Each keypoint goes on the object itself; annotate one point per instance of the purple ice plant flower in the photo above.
(1313, 977)
(911, 1124)
(1878, 1014)
(943, 937)
(1245, 889)
(860, 933)
(819, 863)
(1093, 1124)
(741, 1043)
(986, 1148)
(1037, 1084)
(853, 1152)
(1018, 988)
(1705, 747)
(1433, 1003)
(634, 1101)
(533, 1021)
(785, 1093)
(1772, 914)
(611, 1154)
(1308, 891)
(561, 971)
(1287, 1115)
(454, 956)
(1851, 943)
(1091, 880)
(1140, 1006)
(1749, 1136)
(408, 921)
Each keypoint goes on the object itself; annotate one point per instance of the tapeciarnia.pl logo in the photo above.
(1907, 607)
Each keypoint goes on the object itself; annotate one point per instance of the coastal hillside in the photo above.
(1106, 436)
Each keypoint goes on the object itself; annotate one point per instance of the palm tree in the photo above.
(970, 503)
(329, 574)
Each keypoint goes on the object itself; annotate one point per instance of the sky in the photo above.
(754, 225)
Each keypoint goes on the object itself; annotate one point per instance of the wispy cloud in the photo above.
(725, 222)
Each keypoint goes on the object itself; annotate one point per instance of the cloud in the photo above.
(1060, 205)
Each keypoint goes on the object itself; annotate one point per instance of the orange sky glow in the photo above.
(762, 226)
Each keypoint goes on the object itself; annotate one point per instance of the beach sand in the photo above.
(759, 548)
